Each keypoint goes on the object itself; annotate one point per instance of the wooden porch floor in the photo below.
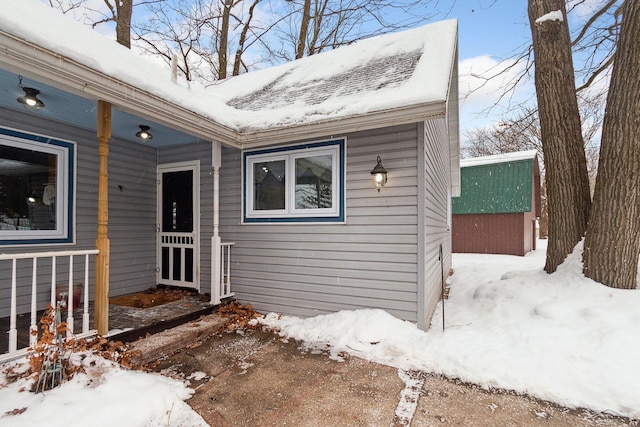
(126, 323)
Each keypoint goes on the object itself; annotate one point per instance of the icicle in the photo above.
(174, 68)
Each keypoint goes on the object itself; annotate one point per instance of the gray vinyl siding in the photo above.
(198, 151)
(310, 269)
(436, 176)
(131, 215)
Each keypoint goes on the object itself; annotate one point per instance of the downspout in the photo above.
(216, 161)
(101, 290)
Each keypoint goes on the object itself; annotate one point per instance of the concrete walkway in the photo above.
(254, 378)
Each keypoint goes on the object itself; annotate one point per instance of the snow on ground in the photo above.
(559, 337)
(106, 395)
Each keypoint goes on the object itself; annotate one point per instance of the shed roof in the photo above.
(501, 183)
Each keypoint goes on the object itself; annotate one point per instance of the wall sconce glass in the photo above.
(144, 133)
(30, 98)
(379, 175)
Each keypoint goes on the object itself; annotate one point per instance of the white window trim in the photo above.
(65, 152)
(275, 213)
(335, 214)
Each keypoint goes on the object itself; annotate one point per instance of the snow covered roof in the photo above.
(400, 70)
(499, 158)
(404, 76)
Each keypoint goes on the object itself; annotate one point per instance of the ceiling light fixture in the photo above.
(144, 133)
(30, 98)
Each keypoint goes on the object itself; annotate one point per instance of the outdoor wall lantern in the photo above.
(379, 175)
(144, 133)
(30, 98)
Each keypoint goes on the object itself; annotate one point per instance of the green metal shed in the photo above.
(498, 205)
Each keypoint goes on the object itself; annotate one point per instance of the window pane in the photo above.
(27, 189)
(269, 185)
(177, 201)
(314, 182)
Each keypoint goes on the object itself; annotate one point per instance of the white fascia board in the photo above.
(453, 122)
(336, 127)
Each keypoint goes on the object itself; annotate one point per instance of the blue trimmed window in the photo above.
(36, 189)
(302, 183)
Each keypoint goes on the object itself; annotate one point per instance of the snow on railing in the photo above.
(65, 293)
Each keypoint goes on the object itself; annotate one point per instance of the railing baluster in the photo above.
(228, 282)
(70, 300)
(222, 264)
(13, 331)
(53, 282)
(33, 328)
(85, 311)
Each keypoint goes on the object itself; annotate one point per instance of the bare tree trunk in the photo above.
(567, 180)
(317, 27)
(304, 29)
(123, 22)
(243, 38)
(612, 244)
(224, 40)
(121, 15)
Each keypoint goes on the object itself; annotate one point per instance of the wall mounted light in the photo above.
(379, 175)
(144, 133)
(30, 98)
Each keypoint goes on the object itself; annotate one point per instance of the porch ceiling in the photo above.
(72, 109)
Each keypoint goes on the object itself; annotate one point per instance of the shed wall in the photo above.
(310, 269)
(131, 212)
(509, 234)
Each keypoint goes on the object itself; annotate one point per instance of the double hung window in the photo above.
(303, 183)
(36, 189)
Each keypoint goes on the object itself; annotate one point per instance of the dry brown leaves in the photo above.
(48, 350)
(239, 315)
(16, 411)
(115, 351)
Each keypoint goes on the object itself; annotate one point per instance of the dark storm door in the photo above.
(178, 214)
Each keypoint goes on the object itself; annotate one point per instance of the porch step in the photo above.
(154, 346)
(154, 326)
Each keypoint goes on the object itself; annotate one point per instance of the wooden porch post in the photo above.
(215, 240)
(101, 315)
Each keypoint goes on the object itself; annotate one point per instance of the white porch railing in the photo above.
(225, 270)
(220, 270)
(68, 287)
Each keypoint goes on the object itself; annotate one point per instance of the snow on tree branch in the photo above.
(556, 15)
